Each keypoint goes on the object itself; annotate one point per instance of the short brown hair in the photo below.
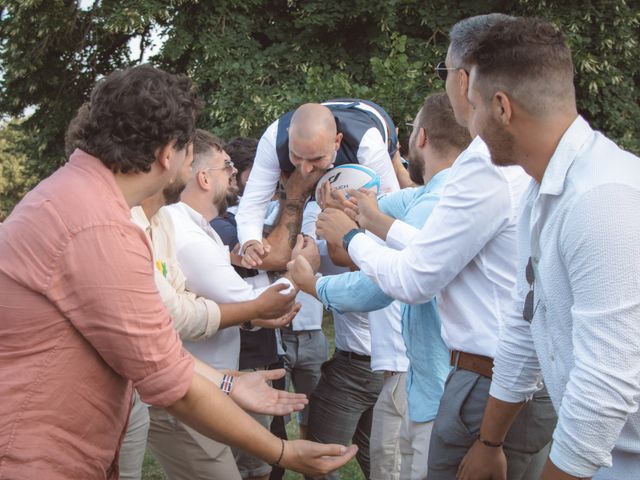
(203, 143)
(439, 122)
(528, 59)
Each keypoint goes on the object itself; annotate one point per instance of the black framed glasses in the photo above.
(528, 311)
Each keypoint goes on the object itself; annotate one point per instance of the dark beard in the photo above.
(172, 192)
(416, 169)
(501, 145)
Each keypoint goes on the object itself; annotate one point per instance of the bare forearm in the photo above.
(497, 419)
(380, 225)
(233, 314)
(209, 411)
(339, 256)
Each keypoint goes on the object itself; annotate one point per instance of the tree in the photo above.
(255, 59)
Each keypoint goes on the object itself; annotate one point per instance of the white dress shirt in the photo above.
(264, 176)
(206, 263)
(465, 253)
(581, 228)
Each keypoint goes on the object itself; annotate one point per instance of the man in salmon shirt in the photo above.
(81, 320)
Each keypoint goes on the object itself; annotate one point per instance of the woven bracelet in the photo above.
(227, 383)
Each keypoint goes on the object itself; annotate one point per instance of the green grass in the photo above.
(151, 470)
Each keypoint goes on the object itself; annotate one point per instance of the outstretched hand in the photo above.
(252, 392)
(273, 303)
(279, 322)
(307, 248)
(302, 275)
(333, 224)
(254, 252)
(314, 459)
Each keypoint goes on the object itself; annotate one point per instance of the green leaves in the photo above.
(256, 59)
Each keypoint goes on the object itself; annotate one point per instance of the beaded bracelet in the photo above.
(227, 383)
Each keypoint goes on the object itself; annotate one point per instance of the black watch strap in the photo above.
(346, 240)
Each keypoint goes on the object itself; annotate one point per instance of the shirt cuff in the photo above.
(400, 235)
(213, 318)
(566, 460)
(321, 291)
(166, 386)
(248, 235)
(359, 243)
(506, 395)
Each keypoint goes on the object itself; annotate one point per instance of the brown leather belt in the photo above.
(472, 362)
(388, 373)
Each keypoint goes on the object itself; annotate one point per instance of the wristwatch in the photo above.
(349, 236)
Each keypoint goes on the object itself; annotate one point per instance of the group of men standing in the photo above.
(487, 318)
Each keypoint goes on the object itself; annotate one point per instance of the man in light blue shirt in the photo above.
(576, 316)
(435, 142)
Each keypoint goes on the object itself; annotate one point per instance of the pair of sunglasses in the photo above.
(442, 70)
(529, 310)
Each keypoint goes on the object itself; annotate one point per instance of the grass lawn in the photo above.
(351, 471)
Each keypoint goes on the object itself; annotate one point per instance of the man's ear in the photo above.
(463, 81)
(422, 139)
(502, 107)
(164, 153)
(338, 140)
(202, 180)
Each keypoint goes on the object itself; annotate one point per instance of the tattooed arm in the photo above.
(282, 238)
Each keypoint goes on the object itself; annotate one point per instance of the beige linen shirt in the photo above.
(194, 318)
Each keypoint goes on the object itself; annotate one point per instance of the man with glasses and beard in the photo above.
(194, 317)
(576, 318)
(205, 261)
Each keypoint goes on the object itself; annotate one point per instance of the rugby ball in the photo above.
(350, 176)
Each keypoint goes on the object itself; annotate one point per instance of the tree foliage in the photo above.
(255, 59)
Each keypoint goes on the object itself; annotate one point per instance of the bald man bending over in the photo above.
(312, 139)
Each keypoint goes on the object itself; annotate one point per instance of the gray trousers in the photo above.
(458, 422)
(341, 406)
(305, 352)
(134, 443)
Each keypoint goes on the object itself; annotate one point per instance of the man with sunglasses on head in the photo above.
(466, 256)
(576, 318)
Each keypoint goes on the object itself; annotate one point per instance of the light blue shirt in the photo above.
(353, 291)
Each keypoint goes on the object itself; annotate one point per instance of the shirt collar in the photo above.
(140, 219)
(570, 144)
(93, 166)
(195, 216)
(437, 181)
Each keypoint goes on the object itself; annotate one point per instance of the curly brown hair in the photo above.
(131, 114)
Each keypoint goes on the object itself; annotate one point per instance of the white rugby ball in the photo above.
(350, 176)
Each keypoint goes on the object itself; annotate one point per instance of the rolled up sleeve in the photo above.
(117, 309)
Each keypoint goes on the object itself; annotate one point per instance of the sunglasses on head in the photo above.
(442, 70)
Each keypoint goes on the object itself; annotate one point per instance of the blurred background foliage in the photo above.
(255, 59)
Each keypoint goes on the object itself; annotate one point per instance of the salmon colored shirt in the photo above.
(81, 321)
